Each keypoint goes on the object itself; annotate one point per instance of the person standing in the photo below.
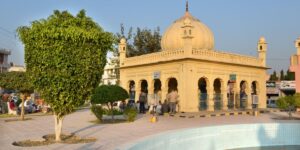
(143, 100)
(173, 98)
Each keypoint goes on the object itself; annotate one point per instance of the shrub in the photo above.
(130, 113)
(98, 111)
(289, 103)
(115, 112)
(108, 95)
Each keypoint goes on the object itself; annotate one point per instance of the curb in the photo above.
(221, 114)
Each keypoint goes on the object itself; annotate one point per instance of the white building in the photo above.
(110, 74)
(4, 65)
(17, 68)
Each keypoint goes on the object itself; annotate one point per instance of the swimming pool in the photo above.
(223, 137)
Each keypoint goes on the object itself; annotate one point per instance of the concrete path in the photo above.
(111, 136)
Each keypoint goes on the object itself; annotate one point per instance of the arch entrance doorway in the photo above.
(203, 96)
(254, 94)
(243, 95)
(172, 85)
(217, 95)
(131, 91)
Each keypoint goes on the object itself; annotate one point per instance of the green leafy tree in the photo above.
(289, 75)
(17, 81)
(289, 103)
(65, 56)
(143, 41)
(281, 75)
(273, 77)
(146, 41)
(107, 95)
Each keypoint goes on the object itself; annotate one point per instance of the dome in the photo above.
(262, 39)
(202, 37)
(123, 41)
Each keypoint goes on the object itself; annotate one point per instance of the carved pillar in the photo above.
(210, 99)
(164, 90)
(224, 99)
(249, 97)
(137, 89)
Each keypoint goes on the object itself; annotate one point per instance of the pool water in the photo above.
(262, 136)
(285, 147)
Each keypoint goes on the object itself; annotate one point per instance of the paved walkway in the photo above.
(111, 136)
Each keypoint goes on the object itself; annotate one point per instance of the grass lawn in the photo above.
(7, 115)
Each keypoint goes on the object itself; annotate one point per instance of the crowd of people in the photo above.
(12, 104)
(153, 102)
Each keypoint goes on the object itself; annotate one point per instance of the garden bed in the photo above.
(50, 139)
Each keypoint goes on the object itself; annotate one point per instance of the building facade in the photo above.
(295, 65)
(206, 79)
(17, 68)
(110, 74)
(4, 64)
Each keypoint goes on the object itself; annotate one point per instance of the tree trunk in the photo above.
(112, 111)
(23, 110)
(290, 113)
(58, 127)
(23, 98)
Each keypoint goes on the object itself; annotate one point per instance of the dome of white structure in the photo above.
(202, 37)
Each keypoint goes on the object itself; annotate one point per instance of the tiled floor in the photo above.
(112, 136)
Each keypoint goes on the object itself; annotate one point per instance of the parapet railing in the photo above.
(226, 57)
(202, 54)
(154, 57)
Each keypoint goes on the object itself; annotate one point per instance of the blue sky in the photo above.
(236, 24)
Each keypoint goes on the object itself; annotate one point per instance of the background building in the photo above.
(111, 72)
(4, 64)
(17, 68)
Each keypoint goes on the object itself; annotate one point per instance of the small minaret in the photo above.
(187, 31)
(262, 50)
(297, 45)
(122, 50)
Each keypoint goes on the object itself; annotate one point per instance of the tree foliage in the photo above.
(289, 103)
(16, 81)
(65, 56)
(282, 75)
(274, 77)
(289, 75)
(143, 41)
(108, 94)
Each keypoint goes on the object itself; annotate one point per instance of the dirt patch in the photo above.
(50, 139)
(109, 121)
(17, 119)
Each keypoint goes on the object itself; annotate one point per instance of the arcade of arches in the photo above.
(211, 95)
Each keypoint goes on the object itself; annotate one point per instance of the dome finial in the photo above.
(187, 6)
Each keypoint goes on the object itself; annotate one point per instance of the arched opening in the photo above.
(144, 86)
(131, 91)
(230, 94)
(172, 85)
(217, 95)
(203, 96)
(243, 94)
(157, 85)
(254, 94)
